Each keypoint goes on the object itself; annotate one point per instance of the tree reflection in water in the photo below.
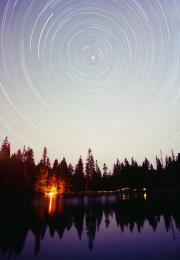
(84, 213)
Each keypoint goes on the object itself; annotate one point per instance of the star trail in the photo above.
(103, 74)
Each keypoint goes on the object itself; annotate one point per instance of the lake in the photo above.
(90, 227)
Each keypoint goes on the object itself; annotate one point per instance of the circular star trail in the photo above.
(70, 65)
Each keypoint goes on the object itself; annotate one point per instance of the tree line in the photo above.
(19, 174)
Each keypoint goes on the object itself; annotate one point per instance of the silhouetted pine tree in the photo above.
(90, 169)
(5, 149)
(79, 178)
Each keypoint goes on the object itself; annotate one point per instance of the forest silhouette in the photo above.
(19, 174)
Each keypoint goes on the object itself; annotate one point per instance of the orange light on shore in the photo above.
(55, 188)
(50, 194)
(51, 191)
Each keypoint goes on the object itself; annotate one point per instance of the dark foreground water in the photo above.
(99, 227)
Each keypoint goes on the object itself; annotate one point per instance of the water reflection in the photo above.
(85, 214)
(51, 203)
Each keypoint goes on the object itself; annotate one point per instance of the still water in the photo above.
(94, 227)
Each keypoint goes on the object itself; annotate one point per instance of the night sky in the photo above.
(103, 74)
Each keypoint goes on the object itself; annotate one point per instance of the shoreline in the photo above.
(131, 193)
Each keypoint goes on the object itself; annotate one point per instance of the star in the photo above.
(92, 58)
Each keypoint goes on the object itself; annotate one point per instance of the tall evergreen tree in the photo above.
(105, 170)
(90, 169)
(44, 160)
(96, 177)
(78, 178)
(5, 149)
(55, 166)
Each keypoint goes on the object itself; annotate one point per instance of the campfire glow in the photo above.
(57, 188)
(51, 191)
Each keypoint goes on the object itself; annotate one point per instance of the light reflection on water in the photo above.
(90, 227)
